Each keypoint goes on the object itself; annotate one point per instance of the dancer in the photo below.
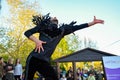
(50, 36)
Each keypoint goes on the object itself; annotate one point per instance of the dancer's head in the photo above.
(52, 27)
(54, 20)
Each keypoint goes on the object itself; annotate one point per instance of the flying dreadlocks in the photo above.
(45, 23)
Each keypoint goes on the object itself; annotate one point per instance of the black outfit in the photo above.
(40, 61)
(94, 73)
(9, 75)
(17, 77)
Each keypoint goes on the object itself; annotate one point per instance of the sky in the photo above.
(106, 35)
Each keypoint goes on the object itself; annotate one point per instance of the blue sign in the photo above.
(112, 67)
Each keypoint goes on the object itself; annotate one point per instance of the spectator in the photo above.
(92, 71)
(85, 74)
(18, 70)
(79, 74)
(63, 78)
(99, 75)
(70, 71)
(91, 77)
(1, 68)
(9, 68)
(69, 77)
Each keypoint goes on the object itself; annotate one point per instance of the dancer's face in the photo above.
(53, 29)
(53, 26)
(54, 20)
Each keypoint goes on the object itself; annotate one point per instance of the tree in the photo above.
(67, 45)
(19, 20)
(3, 38)
(87, 42)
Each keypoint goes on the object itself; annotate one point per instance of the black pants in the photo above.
(9, 76)
(43, 67)
(17, 77)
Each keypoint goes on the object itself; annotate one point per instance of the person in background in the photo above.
(85, 74)
(63, 77)
(50, 36)
(1, 68)
(4, 72)
(91, 77)
(69, 77)
(18, 70)
(92, 71)
(79, 74)
(99, 75)
(9, 68)
(70, 71)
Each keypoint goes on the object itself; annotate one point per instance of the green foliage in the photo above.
(67, 45)
(87, 42)
(16, 45)
(5, 57)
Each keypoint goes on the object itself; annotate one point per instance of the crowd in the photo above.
(11, 70)
(82, 74)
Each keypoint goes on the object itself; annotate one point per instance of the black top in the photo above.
(51, 42)
(9, 65)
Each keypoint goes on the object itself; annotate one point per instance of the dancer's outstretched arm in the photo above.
(96, 21)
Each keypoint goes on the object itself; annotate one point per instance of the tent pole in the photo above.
(74, 70)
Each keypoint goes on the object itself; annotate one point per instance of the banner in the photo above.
(112, 67)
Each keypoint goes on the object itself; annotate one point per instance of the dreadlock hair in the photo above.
(43, 21)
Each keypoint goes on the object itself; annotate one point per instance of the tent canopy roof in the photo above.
(87, 54)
